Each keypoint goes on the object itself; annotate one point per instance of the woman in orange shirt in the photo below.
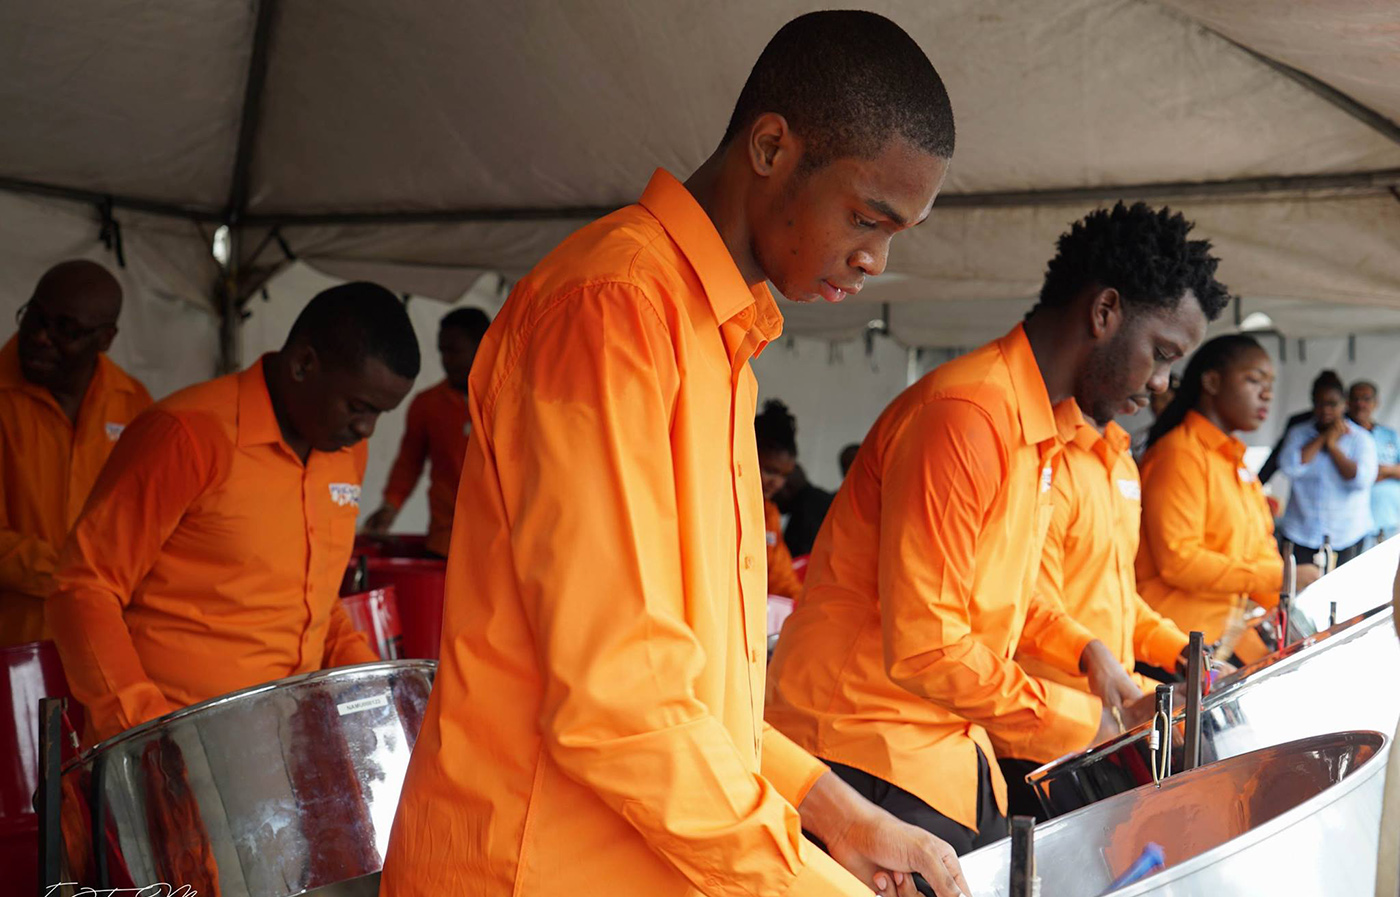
(1207, 534)
(776, 432)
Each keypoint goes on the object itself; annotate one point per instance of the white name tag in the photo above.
(1246, 475)
(1047, 476)
(345, 494)
(363, 704)
(114, 431)
(1131, 489)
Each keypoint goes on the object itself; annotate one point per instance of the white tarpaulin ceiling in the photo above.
(422, 142)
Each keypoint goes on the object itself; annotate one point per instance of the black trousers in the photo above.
(991, 825)
(1304, 555)
(1020, 797)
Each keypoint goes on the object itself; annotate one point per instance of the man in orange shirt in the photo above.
(775, 432)
(1087, 566)
(898, 662)
(210, 554)
(596, 725)
(437, 429)
(63, 403)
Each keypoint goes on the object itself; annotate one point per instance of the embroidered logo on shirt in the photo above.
(1047, 476)
(345, 494)
(1131, 489)
(114, 431)
(772, 539)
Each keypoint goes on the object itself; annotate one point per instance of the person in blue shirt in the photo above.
(1331, 465)
(1385, 494)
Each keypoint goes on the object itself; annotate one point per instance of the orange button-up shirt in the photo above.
(898, 659)
(436, 431)
(1207, 535)
(208, 559)
(47, 468)
(1087, 564)
(596, 726)
(782, 579)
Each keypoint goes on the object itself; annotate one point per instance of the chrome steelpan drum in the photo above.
(1295, 818)
(1332, 682)
(267, 792)
(1313, 686)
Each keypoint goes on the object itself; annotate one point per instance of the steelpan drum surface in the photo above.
(271, 791)
(1298, 818)
(1326, 683)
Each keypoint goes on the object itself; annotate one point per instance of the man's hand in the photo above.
(1307, 575)
(379, 522)
(1107, 678)
(877, 848)
(1108, 727)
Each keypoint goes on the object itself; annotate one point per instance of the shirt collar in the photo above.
(257, 422)
(1039, 420)
(1212, 437)
(725, 288)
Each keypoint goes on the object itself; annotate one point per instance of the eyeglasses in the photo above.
(59, 327)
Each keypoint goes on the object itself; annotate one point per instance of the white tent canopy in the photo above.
(422, 143)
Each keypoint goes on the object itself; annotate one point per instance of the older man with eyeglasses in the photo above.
(63, 404)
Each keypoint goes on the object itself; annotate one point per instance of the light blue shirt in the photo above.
(1320, 502)
(1385, 495)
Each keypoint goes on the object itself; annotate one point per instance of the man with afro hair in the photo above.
(898, 662)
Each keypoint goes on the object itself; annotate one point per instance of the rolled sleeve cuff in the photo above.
(1266, 600)
(1163, 646)
(1063, 644)
(821, 876)
(1070, 722)
(788, 768)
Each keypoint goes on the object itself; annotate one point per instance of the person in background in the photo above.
(1159, 403)
(1087, 566)
(210, 554)
(436, 431)
(848, 457)
(1270, 467)
(1331, 466)
(596, 724)
(805, 507)
(898, 661)
(63, 405)
(776, 432)
(1385, 494)
(1207, 536)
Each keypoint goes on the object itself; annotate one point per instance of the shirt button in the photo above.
(739, 470)
(748, 562)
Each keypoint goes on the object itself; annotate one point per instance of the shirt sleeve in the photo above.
(600, 579)
(782, 579)
(1173, 530)
(413, 453)
(345, 645)
(1049, 632)
(1290, 460)
(943, 472)
(1366, 458)
(27, 563)
(792, 770)
(152, 476)
(1156, 640)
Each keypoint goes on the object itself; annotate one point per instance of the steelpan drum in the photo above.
(267, 792)
(1296, 818)
(1331, 682)
(1317, 685)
